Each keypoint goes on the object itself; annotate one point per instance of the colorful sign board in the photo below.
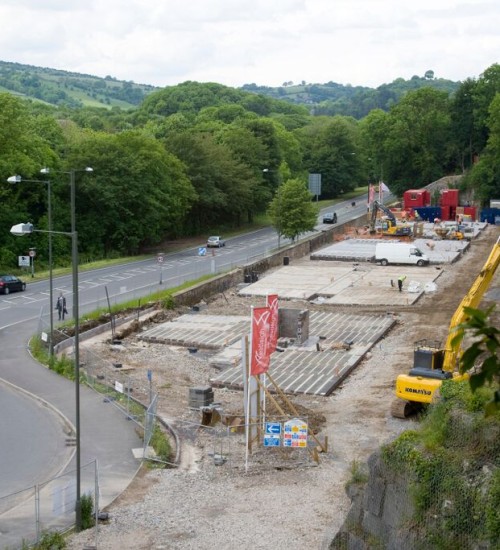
(295, 433)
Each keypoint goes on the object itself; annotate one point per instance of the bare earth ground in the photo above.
(278, 501)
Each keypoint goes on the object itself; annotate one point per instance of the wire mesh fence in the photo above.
(46, 507)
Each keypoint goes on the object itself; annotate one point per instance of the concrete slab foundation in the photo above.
(199, 331)
(345, 284)
(337, 344)
(363, 250)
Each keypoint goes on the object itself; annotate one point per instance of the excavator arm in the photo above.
(471, 299)
(375, 207)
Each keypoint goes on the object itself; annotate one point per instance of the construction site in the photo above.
(346, 330)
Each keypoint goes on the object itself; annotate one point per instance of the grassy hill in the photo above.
(58, 87)
(64, 88)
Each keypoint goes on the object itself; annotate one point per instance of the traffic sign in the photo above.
(160, 258)
(202, 251)
(32, 253)
(272, 434)
(273, 428)
(23, 261)
(315, 184)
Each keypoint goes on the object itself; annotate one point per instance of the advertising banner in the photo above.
(260, 351)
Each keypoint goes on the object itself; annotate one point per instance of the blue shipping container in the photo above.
(429, 213)
(489, 215)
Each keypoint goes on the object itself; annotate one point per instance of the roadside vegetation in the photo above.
(451, 464)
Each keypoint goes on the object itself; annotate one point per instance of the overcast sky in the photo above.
(267, 42)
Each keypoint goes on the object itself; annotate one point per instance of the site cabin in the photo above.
(400, 253)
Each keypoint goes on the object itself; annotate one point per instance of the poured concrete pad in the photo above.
(361, 250)
(344, 283)
(308, 370)
(379, 286)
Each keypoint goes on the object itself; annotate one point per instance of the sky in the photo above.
(266, 42)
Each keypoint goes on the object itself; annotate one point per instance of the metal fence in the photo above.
(48, 506)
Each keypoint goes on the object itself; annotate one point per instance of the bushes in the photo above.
(453, 470)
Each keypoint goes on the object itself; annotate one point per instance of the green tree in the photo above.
(486, 348)
(417, 143)
(330, 149)
(139, 194)
(373, 131)
(226, 188)
(484, 178)
(291, 210)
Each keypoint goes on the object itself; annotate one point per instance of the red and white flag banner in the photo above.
(259, 357)
(272, 304)
(371, 193)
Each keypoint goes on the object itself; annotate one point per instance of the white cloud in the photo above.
(164, 42)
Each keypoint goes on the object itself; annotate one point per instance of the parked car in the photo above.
(330, 217)
(215, 242)
(9, 283)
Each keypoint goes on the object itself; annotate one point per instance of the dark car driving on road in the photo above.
(330, 217)
(10, 283)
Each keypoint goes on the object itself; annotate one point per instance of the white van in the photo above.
(399, 253)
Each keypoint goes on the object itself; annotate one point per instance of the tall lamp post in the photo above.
(76, 315)
(19, 179)
(22, 229)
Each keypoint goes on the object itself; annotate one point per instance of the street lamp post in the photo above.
(25, 229)
(76, 316)
(19, 179)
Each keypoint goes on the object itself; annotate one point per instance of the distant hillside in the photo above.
(64, 88)
(357, 101)
(70, 89)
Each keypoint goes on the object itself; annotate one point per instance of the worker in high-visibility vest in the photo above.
(400, 282)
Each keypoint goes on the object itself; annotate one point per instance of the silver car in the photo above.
(215, 242)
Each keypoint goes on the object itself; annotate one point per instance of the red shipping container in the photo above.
(415, 198)
(470, 211)
(445, 213)
(449, 197)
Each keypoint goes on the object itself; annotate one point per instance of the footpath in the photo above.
(106, 436)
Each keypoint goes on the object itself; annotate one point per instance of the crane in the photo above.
(431, 363)
(389, 226)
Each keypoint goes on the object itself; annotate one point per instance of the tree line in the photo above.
(198, 158)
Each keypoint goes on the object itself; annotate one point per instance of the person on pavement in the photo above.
(61, 306)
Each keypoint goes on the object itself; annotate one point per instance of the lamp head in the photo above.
(14, 179)
(21, 229)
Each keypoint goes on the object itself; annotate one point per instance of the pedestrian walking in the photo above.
(61, 306)
(400, 282)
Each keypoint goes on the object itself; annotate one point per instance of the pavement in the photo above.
(106, 439)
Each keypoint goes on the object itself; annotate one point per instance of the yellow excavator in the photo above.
(389, 224)
(431, 363)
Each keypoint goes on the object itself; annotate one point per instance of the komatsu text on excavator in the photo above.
(431, 363)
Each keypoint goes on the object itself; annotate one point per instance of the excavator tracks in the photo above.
(401, 408)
